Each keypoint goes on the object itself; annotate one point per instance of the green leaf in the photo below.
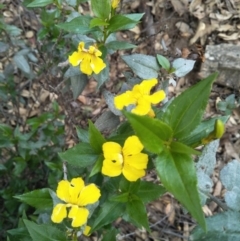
(164, 62)
(178, 175)
(78, 83)
(39, 3)
(137, 212)
(108, 213)
(120, 198)
(149, 191)
(22, 63)
(44, 232)
(103, 76)
(20, 233)
(182, 66)
(230, 178)
(220, 227)
(120, 22)
(202, 131)
(97, 22)
(186, 110)
(78, 25)
(144, 66)
(95, 138)
(81, 155)
(110, 235)
(135, 17)
(181, 148)
(151, 132)
(97, 166)
(101, 8)
(40, 199)
(83, 135)
(119, 45)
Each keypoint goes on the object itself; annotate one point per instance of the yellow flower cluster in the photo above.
(76, 196)
(140, 97)
(89, 59)
(128, 160)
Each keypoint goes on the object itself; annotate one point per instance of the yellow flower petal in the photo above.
(97, 64)
(138, 161)
(85, 64)
(63, 190)
(110, 149)
(151, 113)
(112, 168)
(146, 86)
(81, 46)
(77, 184)
(75, 58)
(156, 97)
(143, 107)
(89, 195)
(59, 213)
(124, 99)
(132, 146)
(87, 230)
(79, 216)
(132, 174)
(115, 3)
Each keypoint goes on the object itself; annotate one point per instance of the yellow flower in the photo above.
(140, 96)
(76, 196)
(127, 160)
(115, 3)
(89, 59)
(87, 230)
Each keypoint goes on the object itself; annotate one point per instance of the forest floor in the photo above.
(171, 28)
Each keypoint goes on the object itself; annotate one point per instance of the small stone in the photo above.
(29, 34)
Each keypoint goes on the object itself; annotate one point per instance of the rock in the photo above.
(224, 59)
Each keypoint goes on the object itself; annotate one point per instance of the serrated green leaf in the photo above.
(120, 22)
(149, 191)
(119, 45)
(108, 213)
(181, 148)
(83, 135)
(97, 22)
(81, 155)
(101, 8)
(164, 62)
(186, 110)
(151, 132)
(78, 25)
(40, 199)
(202, 131)
(220, 227)
(178, 175)
(144, 66)
(96, 139)
(137, 212)
(44, 232)
(39, 3)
